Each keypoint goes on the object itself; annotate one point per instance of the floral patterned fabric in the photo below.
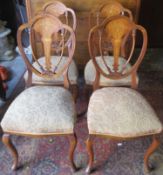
(41, 110)
(72, 72)
(90, 72)
(121, 112)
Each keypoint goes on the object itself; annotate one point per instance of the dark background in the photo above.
(151, 17)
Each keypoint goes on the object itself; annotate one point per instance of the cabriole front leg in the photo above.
(89, 145)
(73, 142)
(152, 148)
(7, 142)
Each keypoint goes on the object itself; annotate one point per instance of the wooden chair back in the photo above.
(114, 30)
(106, 10)
(59, 10)
(53, 36)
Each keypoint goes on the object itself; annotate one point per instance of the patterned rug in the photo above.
(49, 156)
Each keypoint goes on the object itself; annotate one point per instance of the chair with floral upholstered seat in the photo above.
(44, 110)
(68, 17)
(119, 112)
(106, 10)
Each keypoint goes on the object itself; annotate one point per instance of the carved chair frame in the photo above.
(151, 149)
(117, 43)
(92, 46)
(118, 10)
(71, 136)
(116, 75)
(56, 9)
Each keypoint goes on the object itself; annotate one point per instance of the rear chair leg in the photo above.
(7, 142)
(155, 144)
(89, 145)
(73, 143)
(75, 92)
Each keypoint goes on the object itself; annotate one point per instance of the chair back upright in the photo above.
(58, 9)
(53, 36)
(114, 30)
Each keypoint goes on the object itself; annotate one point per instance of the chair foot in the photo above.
(7, 142)
(73, 143)
(89, 145)
(155, 144)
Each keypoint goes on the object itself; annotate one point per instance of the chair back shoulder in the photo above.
(114, 31)
(53, 35)
(58, 9)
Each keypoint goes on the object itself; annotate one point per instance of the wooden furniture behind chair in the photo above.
(41, 111)
(119, 112)
(82, 9)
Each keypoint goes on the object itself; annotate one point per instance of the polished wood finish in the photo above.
(152, 148)
(75, 92)
(115, 30)
(82, 9)
(34, 6)
(58, 9)
(50, 29)
(68, 17)
(110, 9)
(89, 145)
(73, 143)
(106, 10)
(7, 142)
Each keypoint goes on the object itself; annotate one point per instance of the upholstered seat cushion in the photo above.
(121, 112)
(90, 72)
(41, 110)
(72, 72)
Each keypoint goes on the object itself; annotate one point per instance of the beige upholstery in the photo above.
(89, 73)
(121, 112)
(41, 110)
(72, 72)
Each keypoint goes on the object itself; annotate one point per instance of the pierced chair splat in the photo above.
(41, 111)
(102, 58)
(106, 11)
(119, 112)
(60, 11)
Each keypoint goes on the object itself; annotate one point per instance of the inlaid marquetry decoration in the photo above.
(114, 30)
(82, 10)
(58, 9)
(106, 10)
(53, 36)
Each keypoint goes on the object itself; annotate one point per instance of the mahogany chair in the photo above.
(104, 11)
(119, 112)
(41, 111)
(109, 9)
(59, 10)
(68, 17)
